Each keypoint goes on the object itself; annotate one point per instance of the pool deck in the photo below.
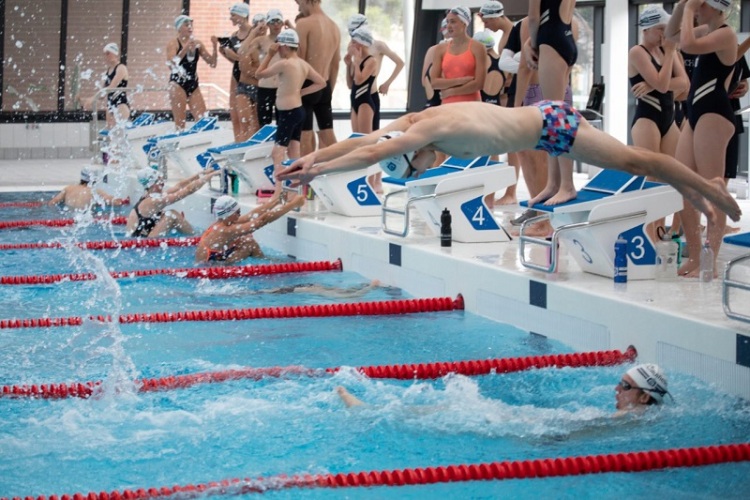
(680, 325)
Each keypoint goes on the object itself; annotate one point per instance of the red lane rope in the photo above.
(15, 224)
(510, 469)
(404, 306)
(403, 372)
(110, 244)
(185, 272)
(22, 204)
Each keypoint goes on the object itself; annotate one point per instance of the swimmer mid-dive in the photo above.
(475, 129)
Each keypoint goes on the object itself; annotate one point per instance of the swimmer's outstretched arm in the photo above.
(303, 170)
(348, 399)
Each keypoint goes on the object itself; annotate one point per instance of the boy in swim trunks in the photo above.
(230, 238)
(475, 129)
(292, 72)
(82, 196)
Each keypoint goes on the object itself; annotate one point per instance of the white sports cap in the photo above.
(86, 174)
(274, 15)
(182, 19)
(720, 5)
(463, 13)
(492, 9)
(485, 38)
(147, 177)
(288, 38)
(649, 377)
(224, 206)
(112, 48)
(363, 36)
(240, 9)
(356, 21)
(653, 16)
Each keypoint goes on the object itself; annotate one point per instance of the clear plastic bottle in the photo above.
(666, 259)
(707, 263)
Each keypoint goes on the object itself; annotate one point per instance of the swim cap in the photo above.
(147, 177)
(240, 9)
(182, 19)
(356, 21)
(651, 379)
(653, 16)
(492, 9)
(258, 18)
(274, 15)
(463, 13)
(399, 166)
(363, 36)
(720, 5)
(113, 48)
(224, 206)
(288, 38)
(485, 38)
(443, 27)
(86, 174)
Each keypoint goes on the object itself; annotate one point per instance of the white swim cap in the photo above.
(720, 5)
(485, 38)
(653, 16)
(240, 9)
(113, 48)
(86, 174)
(363, 36)
(492, 9)
(224, 206)
(288, 38)
(356, 21)
(182, 19)
(274, 15)
(399, 166)
(147, 177)
(463, 13)
(651, 379)
(444, 26)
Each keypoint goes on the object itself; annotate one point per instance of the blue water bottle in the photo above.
(621, 260)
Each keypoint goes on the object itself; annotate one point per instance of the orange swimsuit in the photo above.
(458, 66)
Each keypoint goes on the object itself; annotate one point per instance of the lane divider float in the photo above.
(15, 224)
(35, 204)
(109, 244)
(422, 371)
(403, 306)
(217, 272)
(638, 461)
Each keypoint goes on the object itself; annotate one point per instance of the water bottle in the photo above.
(707, 263)
(666, 259)
(678, 241)
(621, 260)
(446, 234)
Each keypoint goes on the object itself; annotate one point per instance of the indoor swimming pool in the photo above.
(294, 424)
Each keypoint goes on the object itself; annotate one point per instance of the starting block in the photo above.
(137, 133)
(157, 148)
(349, 193)
(613, 203)
(248, 159)
(459, 185)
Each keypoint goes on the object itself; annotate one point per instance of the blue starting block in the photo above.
(350, 193)
(613, 203)
(461, 186)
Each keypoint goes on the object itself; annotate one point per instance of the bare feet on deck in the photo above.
(347, 397)
(506, 200)
(690, 269)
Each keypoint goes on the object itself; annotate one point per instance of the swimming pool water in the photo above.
(298, 424)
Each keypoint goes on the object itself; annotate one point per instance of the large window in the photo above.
(88, 31)
(31, 66)
(583, 76)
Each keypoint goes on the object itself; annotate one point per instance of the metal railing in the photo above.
(553, 243)
(731, 283)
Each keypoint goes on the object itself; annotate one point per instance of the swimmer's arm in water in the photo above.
(59, 198)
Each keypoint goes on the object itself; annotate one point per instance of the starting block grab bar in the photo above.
(396, 211)
(730, 283)
(553, 243)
